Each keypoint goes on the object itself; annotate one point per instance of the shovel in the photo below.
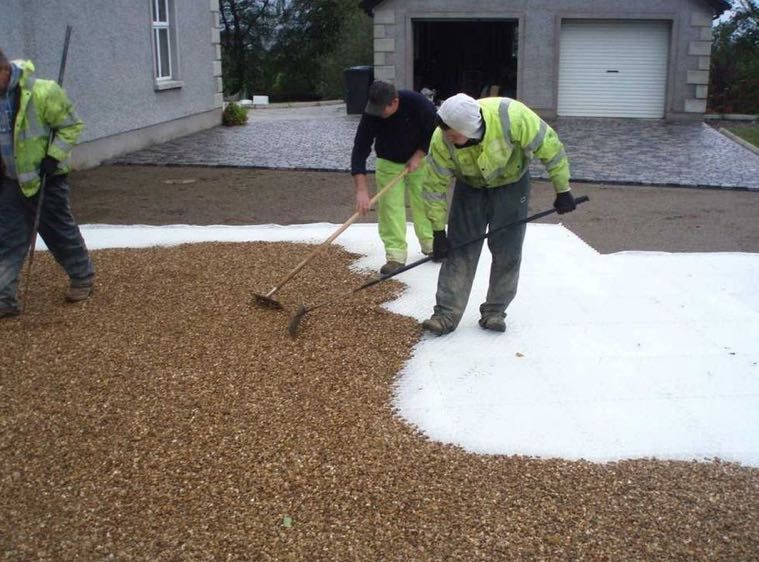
(303, 309)
(266, 301)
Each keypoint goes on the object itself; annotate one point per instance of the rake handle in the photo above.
(304, 309)
(372, 282)
(536, 216)
(321, 247)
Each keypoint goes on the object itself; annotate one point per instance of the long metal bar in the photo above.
(43, 179)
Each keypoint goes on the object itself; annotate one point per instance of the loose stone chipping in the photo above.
(167, 419)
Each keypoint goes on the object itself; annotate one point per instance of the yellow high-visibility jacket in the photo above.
(513, 135)
(42, 105)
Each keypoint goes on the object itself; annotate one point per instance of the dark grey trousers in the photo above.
(57, 228)
(473, 212)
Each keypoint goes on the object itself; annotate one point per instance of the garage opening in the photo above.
(478, 58)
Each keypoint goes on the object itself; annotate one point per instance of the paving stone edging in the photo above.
(737, 117)
(282, 105)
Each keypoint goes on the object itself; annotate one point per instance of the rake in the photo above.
(267, 300)
(297, 318)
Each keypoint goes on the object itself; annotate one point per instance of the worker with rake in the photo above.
(399, 123)
(486, 146)
(29, 109)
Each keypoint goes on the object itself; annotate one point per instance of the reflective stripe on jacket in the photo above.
(42, 105)
(513, 135)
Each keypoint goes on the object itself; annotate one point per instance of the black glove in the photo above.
(565, 202)
(48, 165)
(440, 245)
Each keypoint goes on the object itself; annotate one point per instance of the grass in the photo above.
(747, 133)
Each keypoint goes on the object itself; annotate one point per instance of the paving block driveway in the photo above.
(627, 151)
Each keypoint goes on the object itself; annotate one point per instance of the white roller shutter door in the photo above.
(613, 68)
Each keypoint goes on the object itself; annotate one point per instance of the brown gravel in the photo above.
(166, 419)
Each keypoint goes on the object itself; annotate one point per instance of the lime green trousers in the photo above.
(391, 210)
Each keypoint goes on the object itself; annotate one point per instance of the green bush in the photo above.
(734, 78)
(234, 115)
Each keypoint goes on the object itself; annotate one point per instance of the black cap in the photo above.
(381, 94)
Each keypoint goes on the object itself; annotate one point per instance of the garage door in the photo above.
(613, 68)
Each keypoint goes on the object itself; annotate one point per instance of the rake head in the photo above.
(267, 302)
(292, 327)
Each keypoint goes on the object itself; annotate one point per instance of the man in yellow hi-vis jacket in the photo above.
(486, 146)
(29, 109)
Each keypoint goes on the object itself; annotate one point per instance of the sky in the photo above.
(606, 357)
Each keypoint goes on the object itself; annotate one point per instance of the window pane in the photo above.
(157, 54)
(163, 43)
(162, 12)
(154, 4)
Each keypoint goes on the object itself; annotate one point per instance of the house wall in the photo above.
(109, 72)
(11, 25)
(540, 29)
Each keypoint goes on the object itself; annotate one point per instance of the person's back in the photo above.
(410, 127)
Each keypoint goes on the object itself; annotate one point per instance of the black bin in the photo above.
(357, 80)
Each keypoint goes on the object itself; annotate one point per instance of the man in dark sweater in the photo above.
(399, 124)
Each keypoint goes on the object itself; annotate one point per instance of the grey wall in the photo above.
(539, 29)
(11, 25)
(109, 74)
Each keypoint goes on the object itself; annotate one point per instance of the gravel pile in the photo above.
(167, 419)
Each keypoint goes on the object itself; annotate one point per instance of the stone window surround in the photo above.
(216, 42)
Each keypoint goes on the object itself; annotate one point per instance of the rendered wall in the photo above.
(109, 73)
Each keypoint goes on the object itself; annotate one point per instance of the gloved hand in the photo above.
(440, 245)
(48, 165)
(565, 202)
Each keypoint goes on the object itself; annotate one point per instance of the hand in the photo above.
(362, 201)
(48, 165)
(415, 161)
(362, 193)
(565, 202)
(440, 245)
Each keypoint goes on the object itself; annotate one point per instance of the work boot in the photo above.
(8, 311)
(495, 322)
(391, 267)
(79, 292)
(437, 325)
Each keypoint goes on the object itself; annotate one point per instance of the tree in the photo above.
(308, 32)
(734, 79)
(292, 49)
(247, 27)
(354, 47)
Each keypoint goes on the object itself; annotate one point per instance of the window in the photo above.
(162, 40)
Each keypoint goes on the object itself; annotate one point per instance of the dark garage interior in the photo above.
(478, 58)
